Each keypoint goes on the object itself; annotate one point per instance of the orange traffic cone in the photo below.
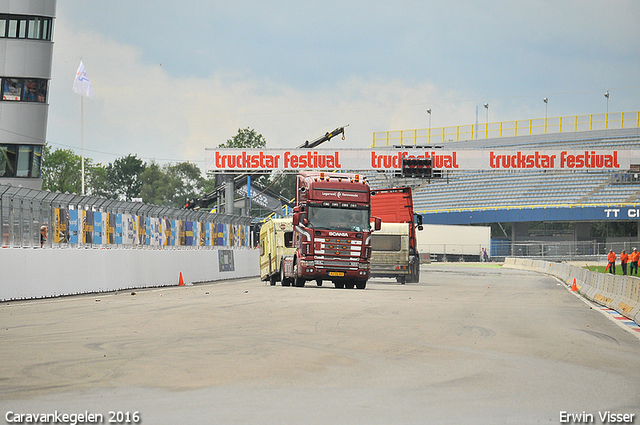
(574, 288)
(181, 281)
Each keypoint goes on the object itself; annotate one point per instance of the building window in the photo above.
(24, 89)
(12, 89)
(36, 161)
(35, 90)
(8, 154)
(31, 27)
(20, 160)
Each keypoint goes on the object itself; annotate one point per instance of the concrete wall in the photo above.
(40, 273)
(619, 293)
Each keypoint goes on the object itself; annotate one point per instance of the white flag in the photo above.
(81, 84)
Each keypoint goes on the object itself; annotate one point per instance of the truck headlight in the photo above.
(363, 266)
(310, 263)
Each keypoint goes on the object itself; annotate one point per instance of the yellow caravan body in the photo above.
(276, 240)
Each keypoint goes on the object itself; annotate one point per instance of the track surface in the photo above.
(465, 345)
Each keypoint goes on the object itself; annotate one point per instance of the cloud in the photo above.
(172, 85)
(141, 109)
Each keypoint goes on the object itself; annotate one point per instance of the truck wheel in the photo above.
(273, 279)
(349, 284)
(339, 285)
(297, 281)
(416, 274)
(361, 284)
(283, 280)
(319, 282)
(401, 279)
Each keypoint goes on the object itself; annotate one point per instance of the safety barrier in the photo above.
(99, 245)
(507, 129)
(75, 221)
(619, 293)
(44, 273)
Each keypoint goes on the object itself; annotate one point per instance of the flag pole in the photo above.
(82, 140)
(82, 86)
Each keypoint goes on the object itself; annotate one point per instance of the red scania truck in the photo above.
(331, 231)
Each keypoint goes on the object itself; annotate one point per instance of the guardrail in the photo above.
(492, 130)
(75, 221)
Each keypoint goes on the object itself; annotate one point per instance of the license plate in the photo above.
(336, 273)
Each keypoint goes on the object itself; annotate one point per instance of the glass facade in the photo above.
(24, 89)
(20, 160)
(29, 27)
(26, 35)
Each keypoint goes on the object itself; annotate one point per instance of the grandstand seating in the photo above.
(503, 189)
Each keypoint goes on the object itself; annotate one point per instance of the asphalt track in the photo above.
(467, 344)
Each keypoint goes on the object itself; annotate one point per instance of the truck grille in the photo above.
(337, 252)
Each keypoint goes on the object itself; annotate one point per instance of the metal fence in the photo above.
(561, 251)
(552, 251)
(75, 221)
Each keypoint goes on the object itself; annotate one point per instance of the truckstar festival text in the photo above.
(391, 159)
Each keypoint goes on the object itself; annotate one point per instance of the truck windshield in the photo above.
(338, 218)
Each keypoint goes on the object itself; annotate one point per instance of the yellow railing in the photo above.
(527, 207)
(507, 129)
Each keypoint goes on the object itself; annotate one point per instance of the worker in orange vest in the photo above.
(612, 262)
(635, 256)
(624, 257)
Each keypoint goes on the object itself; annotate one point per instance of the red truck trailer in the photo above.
(395, 205)
(331, 231)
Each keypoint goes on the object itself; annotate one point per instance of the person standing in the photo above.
(612, 262)
(43, 235)
(624, 258)
(635, 256)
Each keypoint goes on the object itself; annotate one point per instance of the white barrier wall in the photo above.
(456, 240)
(619, 293)
(40, 273)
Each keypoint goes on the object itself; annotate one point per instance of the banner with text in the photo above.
(391, 159)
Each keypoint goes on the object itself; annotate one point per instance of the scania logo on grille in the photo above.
(338, 234)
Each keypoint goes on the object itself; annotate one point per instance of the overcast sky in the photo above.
(173, 78)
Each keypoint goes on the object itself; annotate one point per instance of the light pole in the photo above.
(429, 135)
(486, 121)
(546, 105)
(606, 117)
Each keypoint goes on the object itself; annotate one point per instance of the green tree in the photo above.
(61, 170)
(99, 183)
(187, 182)
(124, 175)
(156, 187)
(171, 185)
(246, 138)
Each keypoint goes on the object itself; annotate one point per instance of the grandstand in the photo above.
(518, 196)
